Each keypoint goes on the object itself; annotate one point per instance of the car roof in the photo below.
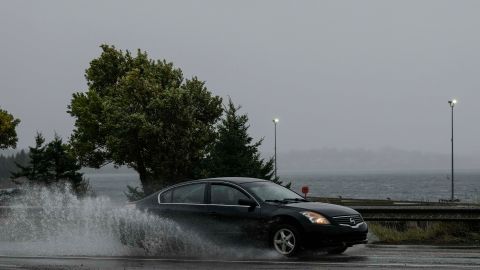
(236, 180)
(233, 180)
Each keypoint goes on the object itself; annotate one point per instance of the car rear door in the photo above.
(186, 205)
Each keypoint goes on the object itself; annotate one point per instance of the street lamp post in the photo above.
(452, 104)
(275, 122)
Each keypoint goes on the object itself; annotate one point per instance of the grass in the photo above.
(427, 232)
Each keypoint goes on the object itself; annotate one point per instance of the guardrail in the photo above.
(376, 213)
(419, 213)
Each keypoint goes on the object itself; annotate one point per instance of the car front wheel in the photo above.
(286, 240)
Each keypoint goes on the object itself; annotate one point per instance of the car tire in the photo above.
(286, 239)
(338, 250)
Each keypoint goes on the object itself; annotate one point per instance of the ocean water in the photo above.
(423, 186)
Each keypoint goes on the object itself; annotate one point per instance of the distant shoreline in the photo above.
(123, 171)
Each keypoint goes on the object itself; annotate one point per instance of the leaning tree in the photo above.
(144, 114)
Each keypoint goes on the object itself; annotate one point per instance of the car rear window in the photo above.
(194, 193)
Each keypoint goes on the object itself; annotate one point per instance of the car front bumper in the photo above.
(334, 235)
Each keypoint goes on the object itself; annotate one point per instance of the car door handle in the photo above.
(212, 213)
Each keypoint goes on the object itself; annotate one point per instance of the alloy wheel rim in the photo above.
(284, 241)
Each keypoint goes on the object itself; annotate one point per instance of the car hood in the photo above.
(324, 208)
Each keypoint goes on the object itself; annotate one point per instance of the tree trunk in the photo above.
(144, 179)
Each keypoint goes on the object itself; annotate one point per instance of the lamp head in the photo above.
(452, 102)
(276, 120)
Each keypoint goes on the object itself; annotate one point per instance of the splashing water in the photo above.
(53, 221)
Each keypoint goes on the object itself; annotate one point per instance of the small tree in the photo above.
(53, 163)
(37, 167)
(8, 135)
(234, 153)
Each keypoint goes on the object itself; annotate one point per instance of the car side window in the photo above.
(193, 193)
(227, 195)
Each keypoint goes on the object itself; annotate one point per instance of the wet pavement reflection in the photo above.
(366, 256)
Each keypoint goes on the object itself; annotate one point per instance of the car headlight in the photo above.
(315, 218)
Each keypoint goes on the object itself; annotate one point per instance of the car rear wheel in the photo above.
(286, 240)
(338, 250)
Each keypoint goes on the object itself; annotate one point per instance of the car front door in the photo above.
(231, 218)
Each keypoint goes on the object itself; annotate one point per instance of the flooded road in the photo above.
(369, 256)
(65, 232)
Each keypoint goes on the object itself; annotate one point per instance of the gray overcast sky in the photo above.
(344, 74)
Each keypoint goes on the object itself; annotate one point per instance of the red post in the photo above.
(305, 191)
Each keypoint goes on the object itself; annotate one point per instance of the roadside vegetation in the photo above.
(427, 232)
(50, 164)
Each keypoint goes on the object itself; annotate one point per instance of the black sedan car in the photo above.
(250, 208)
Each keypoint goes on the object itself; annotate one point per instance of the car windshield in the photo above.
(271, 192)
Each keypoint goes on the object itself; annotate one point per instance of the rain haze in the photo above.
(360, 170)
(366, 75)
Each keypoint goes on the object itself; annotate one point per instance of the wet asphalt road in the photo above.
(370, 256)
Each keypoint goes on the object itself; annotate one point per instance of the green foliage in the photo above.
(52, 163)
(143, 113)
(234, 152)
(37, 168)
(8, 135)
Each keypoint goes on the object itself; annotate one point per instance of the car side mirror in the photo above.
(248, 202)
